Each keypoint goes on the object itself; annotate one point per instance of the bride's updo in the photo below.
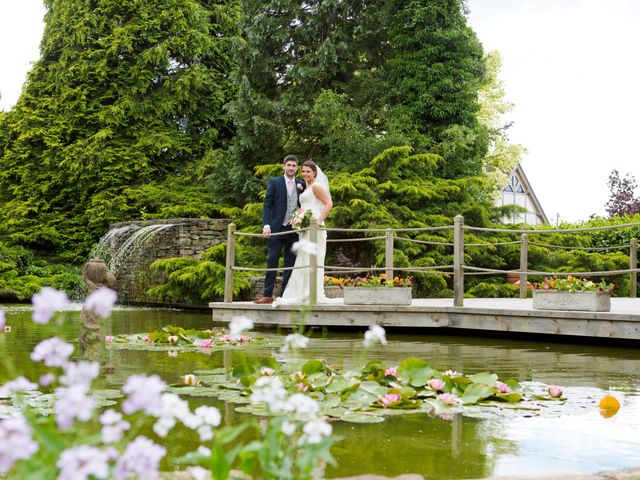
(312, 165)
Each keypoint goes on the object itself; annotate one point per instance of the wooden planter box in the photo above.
(555, 300)
(377, 296)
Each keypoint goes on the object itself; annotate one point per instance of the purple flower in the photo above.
(72, 402)
(2, 320)
(82, 462)
(101, 301)
(15, 442)
(46, 302)
(113, 426)
(144, 393)
(47, 379)
(140, 459)
(53, 351)
(20, 384)
(80, 373)
(238, 325)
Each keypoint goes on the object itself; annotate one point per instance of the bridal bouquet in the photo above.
(301, 219)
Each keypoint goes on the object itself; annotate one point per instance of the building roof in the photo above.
(527, 188)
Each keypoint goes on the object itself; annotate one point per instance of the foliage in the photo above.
(493, 289)
(22, 275)
(573, 284)
(622, 200)
(190, 278)
(123, 98)
(502, 157)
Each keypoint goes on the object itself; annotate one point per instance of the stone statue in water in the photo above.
(91, 341)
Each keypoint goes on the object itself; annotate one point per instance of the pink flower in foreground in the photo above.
(502, 387)
(101, 301)
(46, 302)
(206, 343)
(47, 379)
(72, 402)
(391, 372)
(436, 384)
(390, 399)
(554, 391)
(108, 338)
(448, 398)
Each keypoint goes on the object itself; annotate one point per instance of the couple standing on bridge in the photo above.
(285, 194)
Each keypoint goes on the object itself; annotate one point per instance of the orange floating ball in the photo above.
(609, 406)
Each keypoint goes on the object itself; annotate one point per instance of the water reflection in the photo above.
(577, 440)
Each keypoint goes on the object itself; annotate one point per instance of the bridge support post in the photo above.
(524, 260)
(633, 264)
(230, 260)
(388, 254)
(458, 261)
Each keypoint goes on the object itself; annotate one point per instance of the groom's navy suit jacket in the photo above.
(275, 202)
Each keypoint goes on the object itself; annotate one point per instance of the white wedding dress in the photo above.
(297, 291)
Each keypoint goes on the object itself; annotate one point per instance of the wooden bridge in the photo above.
(515, 315)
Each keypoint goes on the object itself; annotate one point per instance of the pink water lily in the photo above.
(391, 372)
(190, 379)
(390, 399)
(448, 398)
(108, 338)
(554, 391)
(172, 338)
(502, 387)
(172, 353)
(206, 343)
(436, 384)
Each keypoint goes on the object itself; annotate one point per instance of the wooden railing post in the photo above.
(388, 254)
(313, 264)
(524, 260)
(633, 264)
(231, 258)
(458, 261)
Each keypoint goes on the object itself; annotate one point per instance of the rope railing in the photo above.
(458, 269)
(588, 249)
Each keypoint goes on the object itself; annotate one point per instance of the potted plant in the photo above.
(377, 290)
(572, 293)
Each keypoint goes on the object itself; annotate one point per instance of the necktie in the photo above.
(289, 187)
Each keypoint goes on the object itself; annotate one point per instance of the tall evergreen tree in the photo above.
(126, 93)
(433, 75)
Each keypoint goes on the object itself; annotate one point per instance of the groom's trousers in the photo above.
(274, 250)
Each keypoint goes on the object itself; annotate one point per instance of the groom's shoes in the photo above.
(264, 300)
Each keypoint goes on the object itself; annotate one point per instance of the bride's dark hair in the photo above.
(312, 165)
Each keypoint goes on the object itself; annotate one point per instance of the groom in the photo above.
(280, 203)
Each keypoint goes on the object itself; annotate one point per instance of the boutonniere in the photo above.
(299, 186)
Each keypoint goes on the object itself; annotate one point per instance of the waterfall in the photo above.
(134, 244)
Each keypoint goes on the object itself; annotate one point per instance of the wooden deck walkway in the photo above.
(480, 314)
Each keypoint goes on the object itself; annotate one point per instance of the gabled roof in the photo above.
(524, 181)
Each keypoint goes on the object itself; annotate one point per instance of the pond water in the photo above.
(572, 437)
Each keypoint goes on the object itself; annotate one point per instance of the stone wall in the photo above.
(133, 246)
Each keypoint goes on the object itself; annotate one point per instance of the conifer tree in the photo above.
(126, 93)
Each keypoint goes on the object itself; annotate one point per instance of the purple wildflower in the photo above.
(53, 351)
(140, 459)
(46, 302)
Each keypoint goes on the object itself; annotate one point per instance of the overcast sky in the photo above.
(571, 67)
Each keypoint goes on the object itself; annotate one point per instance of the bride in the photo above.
(317, 198)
